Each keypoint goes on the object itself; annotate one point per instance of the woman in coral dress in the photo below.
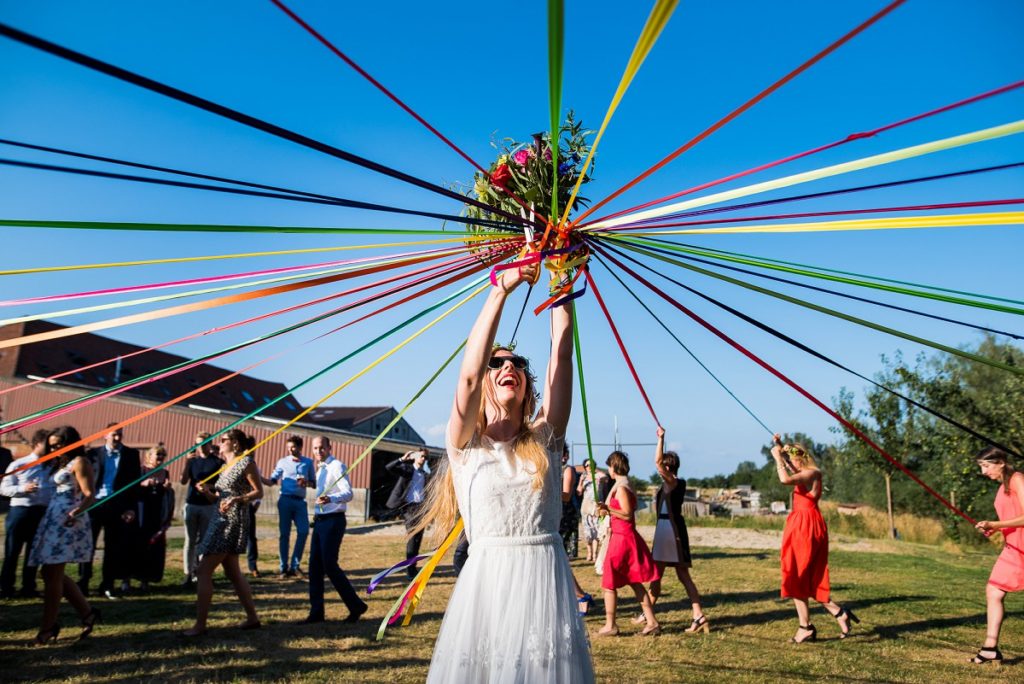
(1008, 572)
(628, 561)
(805, 542)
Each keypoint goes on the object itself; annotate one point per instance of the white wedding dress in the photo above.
(513, 616)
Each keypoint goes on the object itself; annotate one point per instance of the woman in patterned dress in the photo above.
(1008, 572)
(65, 534)
(228, 536)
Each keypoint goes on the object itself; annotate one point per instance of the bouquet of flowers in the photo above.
(524, 170)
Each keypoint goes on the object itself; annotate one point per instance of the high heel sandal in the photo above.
(89, 621)
(996, 658)
(583, 604)
(850, 617)
(46, 635)
(639, 618)
(651, 631)
(698, 625)
(812, 634)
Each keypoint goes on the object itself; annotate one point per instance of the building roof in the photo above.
(344, 417)
(240, 393)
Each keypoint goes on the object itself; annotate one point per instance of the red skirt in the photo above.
(628, 560)
(805, 557)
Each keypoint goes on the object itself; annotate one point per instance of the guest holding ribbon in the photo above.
(227, 537)
(588, 508)
(671, 547)
(804, 551)
(1008, 572)
(628, 561)
(65, 534)
(30, 492)
(333, 492)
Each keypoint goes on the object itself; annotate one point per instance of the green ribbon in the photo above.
(831, 312)
(583, 400)
(556, 50)
(685, 348)
(230, 228)
(303, 383)
(753, 261)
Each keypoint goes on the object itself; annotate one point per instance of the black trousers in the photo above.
(22, 523)
(120, 546)
(412, 544)
(328, 531)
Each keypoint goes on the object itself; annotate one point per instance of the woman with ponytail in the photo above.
(1008, 572)
(513, 613)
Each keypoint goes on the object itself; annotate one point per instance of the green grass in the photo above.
(922, 613)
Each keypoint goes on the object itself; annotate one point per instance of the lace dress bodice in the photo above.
(496, 492)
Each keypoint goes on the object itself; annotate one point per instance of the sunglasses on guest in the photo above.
(518, 362)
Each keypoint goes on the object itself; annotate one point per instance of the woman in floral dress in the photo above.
(65, 534)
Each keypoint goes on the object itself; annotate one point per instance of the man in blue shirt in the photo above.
(294, 472)
(116, 466)
(406, 496)
(29, 492)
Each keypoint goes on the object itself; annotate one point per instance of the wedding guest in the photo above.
(226, 538)
(671, 547)
(512, 616)
(156, 509)
(333, 492)
(64, 534)
(29, 491)
(628, 561)
(200, 464)
(407, 495)
(1008, 572)
(116, 467)
(569, 527)
(805, 542)
(588, 508)
(294, 472)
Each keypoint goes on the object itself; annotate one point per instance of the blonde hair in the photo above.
(805, 457)
(440, 507)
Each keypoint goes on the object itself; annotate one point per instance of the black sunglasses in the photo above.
(518, 362)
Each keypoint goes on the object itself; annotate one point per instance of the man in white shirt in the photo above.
(333, 492)
(30, 492)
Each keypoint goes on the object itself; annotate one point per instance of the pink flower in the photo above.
(521, 157)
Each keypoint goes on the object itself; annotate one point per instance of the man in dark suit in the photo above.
(407, 495)
(116, 466)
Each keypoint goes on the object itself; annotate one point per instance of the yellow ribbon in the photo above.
(856, 165)
(656, 21)
(352, 379)
(245, 255)
(998, 218)
(210, 290)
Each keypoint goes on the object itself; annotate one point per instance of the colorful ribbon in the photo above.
(384, 574)
(982, 135)
(747, 105)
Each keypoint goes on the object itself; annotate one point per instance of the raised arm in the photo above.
(659, 454)
(558, 383)
(469, 391)
(787, 475)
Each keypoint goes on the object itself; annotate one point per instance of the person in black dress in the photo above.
(156, 508)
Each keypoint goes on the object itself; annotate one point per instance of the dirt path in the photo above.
(719, 537)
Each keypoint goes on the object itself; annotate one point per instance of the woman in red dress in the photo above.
(1008, 572)
(628, 561)
(805, 542)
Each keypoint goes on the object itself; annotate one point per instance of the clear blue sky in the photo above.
(480, 70)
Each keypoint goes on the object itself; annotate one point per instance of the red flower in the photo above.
(501, 176)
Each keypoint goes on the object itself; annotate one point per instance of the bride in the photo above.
(512, 616)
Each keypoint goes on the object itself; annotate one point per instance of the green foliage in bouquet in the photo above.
(525, 170)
